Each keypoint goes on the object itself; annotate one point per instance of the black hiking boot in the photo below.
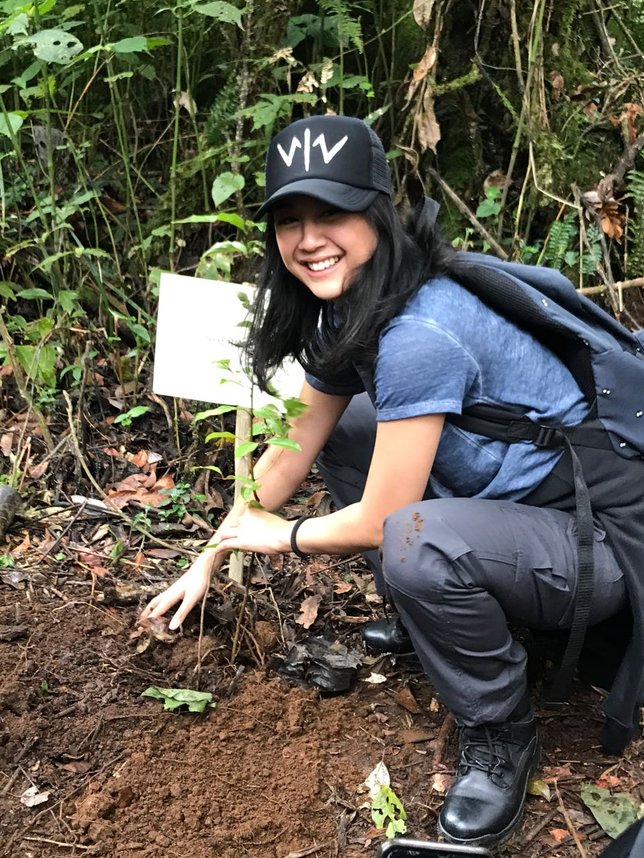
(387, 636)
(484, 804)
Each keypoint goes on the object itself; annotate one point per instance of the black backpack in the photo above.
(606, 360)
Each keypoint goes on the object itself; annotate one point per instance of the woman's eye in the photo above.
(284, 220)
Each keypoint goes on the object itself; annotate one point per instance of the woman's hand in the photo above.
(189, 589)
(256, 530)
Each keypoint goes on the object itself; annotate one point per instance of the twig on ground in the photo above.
(441, 742)
(568, 821)
(538, 828)
(200, 640)
(310, 851)
(26, 747)
(58, 843)
(65, 530)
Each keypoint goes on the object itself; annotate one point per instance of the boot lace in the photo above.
(488, 750)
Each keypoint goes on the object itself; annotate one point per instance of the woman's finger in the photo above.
(184, 609)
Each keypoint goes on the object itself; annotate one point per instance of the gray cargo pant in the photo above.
(458, 570)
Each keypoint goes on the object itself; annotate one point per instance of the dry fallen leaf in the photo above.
(31, 797)
(427, 127)
(608, 781)
(377, 778)
(406, 699)
(441, 783)
(423, 12)
(155, 628)
(309, 611)
(375, 679)
(77, 767)
(415, 734)
(559, 834)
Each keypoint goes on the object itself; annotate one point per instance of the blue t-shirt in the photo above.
(447, 350)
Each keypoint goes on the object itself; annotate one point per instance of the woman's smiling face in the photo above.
(322, 245)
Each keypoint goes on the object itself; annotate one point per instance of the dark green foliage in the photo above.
(114, 129)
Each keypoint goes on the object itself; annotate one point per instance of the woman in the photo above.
(391, 345)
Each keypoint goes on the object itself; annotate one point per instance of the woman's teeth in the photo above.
(324, 264)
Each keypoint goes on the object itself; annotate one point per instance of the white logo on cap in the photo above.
(327, 154)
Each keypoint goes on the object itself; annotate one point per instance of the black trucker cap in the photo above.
(337, 159)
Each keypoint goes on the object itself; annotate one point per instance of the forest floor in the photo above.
(276, 767)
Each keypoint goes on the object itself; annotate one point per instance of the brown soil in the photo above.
(273, 771)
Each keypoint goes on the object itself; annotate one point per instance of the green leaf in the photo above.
(39, 363)
(387, 812)
(129, 46)
(55, 46)
(10, 124)
(19, 25)
(222, 217)
(121, 76)
(213, 412)
(225, 186)
(539, 788)
(245, 448)
(139, 331)
(287, 443)
(225, 436)
(128, 416)
(31, 294)
(67, 299)
(224, 12)
(488, 208)
(615, 812)
(6, 290)
(173, 698)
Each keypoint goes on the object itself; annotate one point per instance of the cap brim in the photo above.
(343, 196)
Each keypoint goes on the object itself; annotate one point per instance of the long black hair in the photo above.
(328, 336)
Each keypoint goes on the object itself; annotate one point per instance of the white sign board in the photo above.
(198, 324)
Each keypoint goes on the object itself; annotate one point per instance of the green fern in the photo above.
(222, 113)
(348, 27)
(560, 239)
(635, 264)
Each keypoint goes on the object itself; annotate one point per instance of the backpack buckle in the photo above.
(545, 436)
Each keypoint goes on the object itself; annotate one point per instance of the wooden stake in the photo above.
(242, 470)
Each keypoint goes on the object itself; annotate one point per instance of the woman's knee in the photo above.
(420, 545)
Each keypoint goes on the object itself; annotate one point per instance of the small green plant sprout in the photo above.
(387, 811)
(176, 501)
(491, 205)
(174, 698)
(127, 417)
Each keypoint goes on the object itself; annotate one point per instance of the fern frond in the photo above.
(561, 237)
(348, 27)
(635, 262)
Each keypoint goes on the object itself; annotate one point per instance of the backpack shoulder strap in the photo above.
(506, 295)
